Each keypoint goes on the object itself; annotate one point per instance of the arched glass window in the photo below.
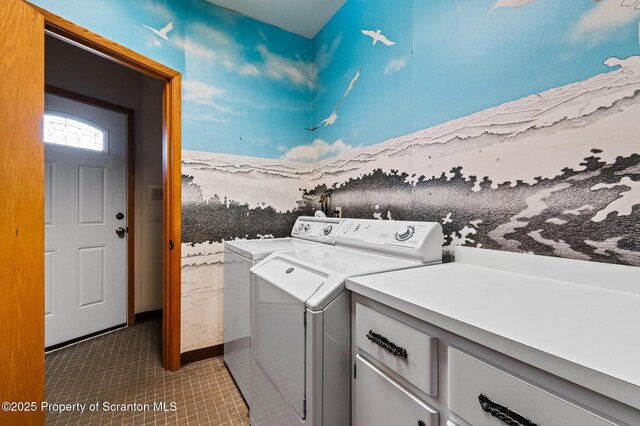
(70, 131)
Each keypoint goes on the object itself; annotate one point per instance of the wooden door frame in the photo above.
(171, 169)
(131, 180)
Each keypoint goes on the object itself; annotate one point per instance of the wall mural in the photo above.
(474, 175)
(514, 131)
(247, 89)
(513, 123)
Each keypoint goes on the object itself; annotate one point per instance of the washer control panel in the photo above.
(316, 229)
(413, 239)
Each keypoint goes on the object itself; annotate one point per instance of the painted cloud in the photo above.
(515, 4)
(395, 65)
(296, 71)
(318, 150)
(206, 95)
(605, 18)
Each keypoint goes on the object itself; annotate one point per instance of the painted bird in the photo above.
(163, 32)
(377, 36)
(334, 115)
(631, 3)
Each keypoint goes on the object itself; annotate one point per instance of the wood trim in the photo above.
(172, 207)
(22, 265)
(64, 93)
(172, 157)
(88, 40)
(201, 354)
(131, 180)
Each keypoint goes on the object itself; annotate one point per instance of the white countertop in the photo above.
(584, 333)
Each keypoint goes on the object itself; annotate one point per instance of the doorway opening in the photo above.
(22, 197)
(103, 195)
(170, 102)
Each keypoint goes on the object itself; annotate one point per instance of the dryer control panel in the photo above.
(321, 229)
(416, 240)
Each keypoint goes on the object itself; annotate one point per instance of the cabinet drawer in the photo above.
(420, 365)
(469, 377)
(381, 401)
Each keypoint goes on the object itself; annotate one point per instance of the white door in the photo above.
(85, 190)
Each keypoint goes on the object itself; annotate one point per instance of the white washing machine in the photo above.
(239, 257)
(301, 313)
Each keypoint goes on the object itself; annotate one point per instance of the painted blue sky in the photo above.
(252, 89)
(247, 86)
(453, 58)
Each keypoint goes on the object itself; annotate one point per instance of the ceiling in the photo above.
(303, 17)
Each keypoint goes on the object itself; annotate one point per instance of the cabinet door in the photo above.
(380, 401)
(419, 366)
(469, 378)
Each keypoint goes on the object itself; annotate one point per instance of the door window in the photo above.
(66, 130)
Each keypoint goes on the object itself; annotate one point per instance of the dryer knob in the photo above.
(405, 234)
(327, 229)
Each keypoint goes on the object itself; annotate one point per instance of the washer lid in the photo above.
(319, 272)
(292, 277)
(259, 249)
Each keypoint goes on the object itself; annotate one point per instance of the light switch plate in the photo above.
(155, 193)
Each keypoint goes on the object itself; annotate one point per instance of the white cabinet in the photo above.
(409, 372)
(472, 382)
(405, 350)
(379, 399)
(385, 402)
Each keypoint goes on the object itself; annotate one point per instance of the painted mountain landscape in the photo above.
(534, 175)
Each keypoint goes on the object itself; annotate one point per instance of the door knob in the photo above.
(121, 231)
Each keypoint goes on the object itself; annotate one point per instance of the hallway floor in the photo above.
(124, 367)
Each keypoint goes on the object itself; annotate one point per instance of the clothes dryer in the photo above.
(239, 257)
(301, 316)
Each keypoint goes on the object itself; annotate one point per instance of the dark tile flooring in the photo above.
(124, 367)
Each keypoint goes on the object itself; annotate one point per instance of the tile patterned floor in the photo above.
(124, 367)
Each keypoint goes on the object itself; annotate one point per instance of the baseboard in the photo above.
(83, 338)
(148, 315)
(201, 354)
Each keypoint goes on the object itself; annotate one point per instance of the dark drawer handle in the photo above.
(387, 344)
(503, 413)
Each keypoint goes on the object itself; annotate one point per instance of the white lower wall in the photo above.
(149, 213)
